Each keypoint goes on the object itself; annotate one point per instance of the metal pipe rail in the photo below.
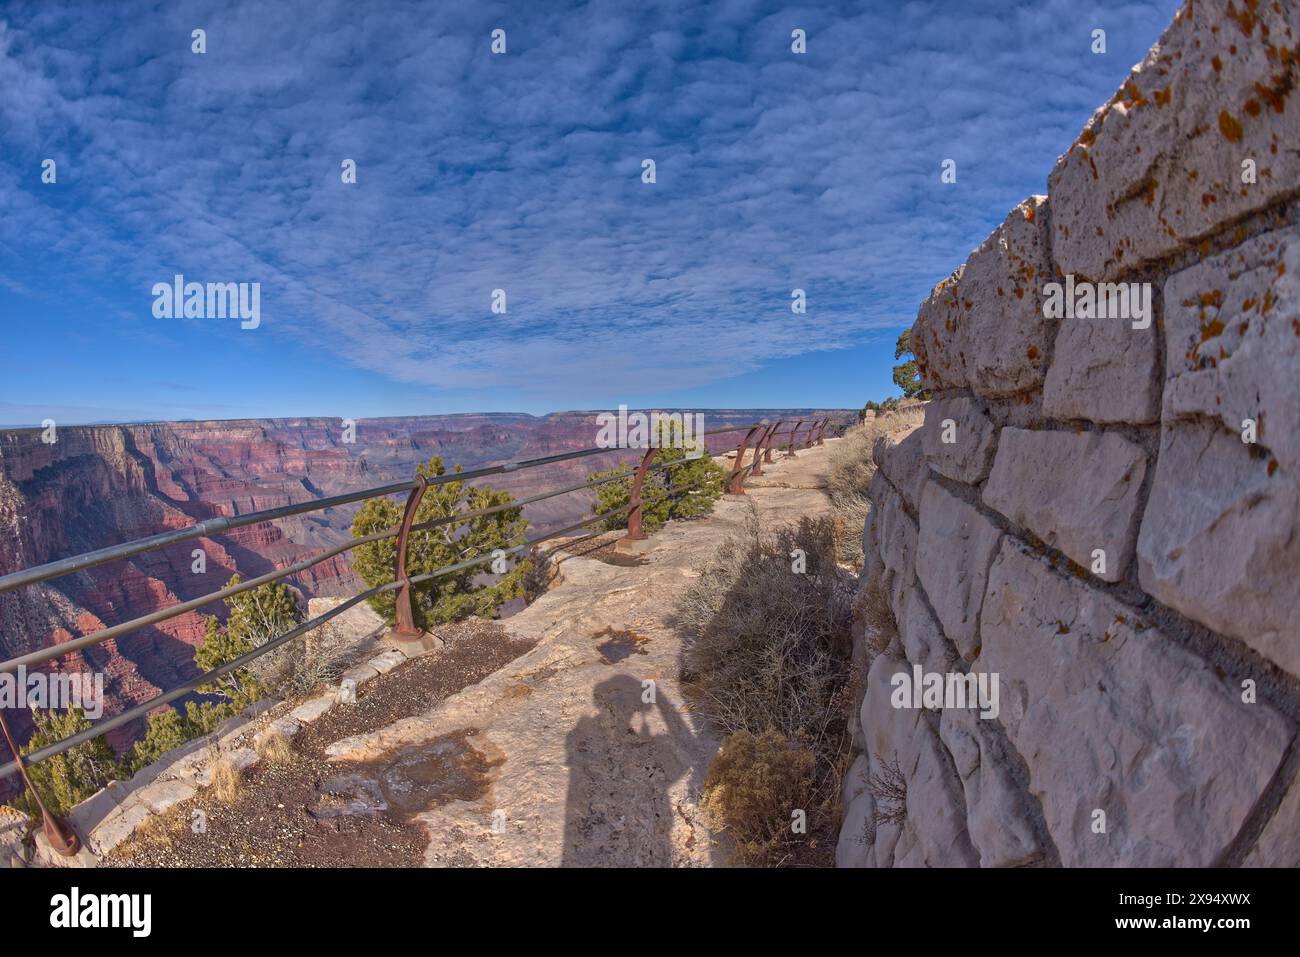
(103, 727)
(98, 637)
(66, 842)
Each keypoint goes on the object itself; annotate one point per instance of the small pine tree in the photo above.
(453, 596)
(266, 612)
(72, 776)
(700, 481)
(220, 646)
(166, 730)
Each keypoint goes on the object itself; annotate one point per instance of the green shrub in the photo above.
(166, 730)
(906, 375)
(220, 646)
(452, 596)
(73, 775)
(699, 481)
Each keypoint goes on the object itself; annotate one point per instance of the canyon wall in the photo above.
(1104, 514)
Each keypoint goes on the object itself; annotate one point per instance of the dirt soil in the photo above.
(310, 813)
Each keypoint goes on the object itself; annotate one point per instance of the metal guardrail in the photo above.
(61, 836)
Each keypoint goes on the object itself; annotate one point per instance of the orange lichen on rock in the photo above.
(1229, 127)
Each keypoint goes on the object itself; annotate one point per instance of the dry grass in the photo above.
(872, 612)
(227, 785)
(850, 466)
(850, 469)
(276, 748)
(294, 669)
(161, 830)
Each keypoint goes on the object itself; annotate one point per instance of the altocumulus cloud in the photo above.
(522, 171)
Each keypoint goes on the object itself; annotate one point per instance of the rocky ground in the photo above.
(559, 737)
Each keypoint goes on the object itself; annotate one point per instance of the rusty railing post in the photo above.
(821, 433)
(758, 451)
(794, 437)
(406, 629)
(817, 431)
(635, 529)
(767, 442)
(63, 839)
(737, 484)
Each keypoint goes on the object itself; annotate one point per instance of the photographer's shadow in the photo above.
(619, 810)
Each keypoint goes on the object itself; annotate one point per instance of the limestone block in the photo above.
(969, 456)
(923, 641)
(1220, 540)
(888, 730)
(1076, 491)
(161, 795)
(997, 812)
(1103, 370)
(855, 847)
(900, 457)
(310, 710)
(359, 673)
(1232, 333)
(1110, 715)
(897, 549)
(936, 806)
(856, 779)
(387, 661)
(286, 727)
(1160, 165)
(954, 548)
(983, 326)
(117, 827)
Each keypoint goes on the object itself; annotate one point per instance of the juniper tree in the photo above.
(698, 480)
(165, 730)
(461, 593)
(906, 375)
(72, 775)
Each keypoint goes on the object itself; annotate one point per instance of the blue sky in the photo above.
(519, 171)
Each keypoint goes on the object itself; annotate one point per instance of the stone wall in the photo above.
(1106, 516)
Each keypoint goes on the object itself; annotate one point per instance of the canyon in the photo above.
(100, 485)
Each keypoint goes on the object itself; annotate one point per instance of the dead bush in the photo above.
(294, 669)
(873, 614)
(850, 521)
(766, 660)
(766, 645)
(754, 789)
(888, 794)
